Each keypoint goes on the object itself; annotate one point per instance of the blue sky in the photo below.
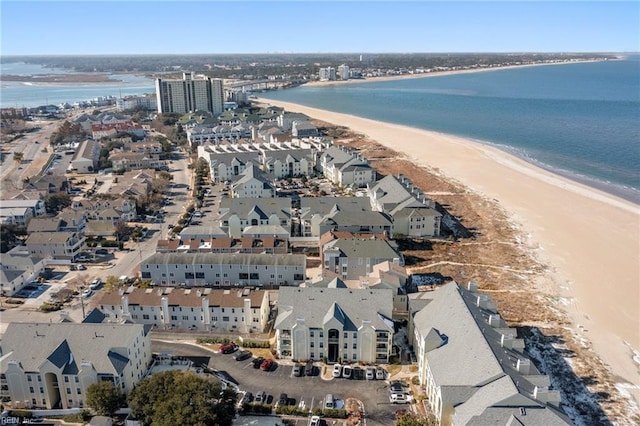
(143, 27)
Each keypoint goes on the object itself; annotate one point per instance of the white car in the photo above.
(370, 373)
(314, 421)
(87, 293)
(398, 398)
(337, 370)
(346, 371)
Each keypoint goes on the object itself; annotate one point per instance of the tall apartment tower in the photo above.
(326, 74)
(343, 72)
(189, 94)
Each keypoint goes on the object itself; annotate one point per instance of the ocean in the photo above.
(580, 120)
(17, 94)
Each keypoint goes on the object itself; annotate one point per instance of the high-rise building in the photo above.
(343, 72)
(189, 94)
(326, 74)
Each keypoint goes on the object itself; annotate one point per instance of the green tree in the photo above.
(104, 398)
(10, 236)
(54, 203)
(112, 283)
(177, 397)
(17, 157)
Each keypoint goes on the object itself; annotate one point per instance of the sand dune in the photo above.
(590, 239)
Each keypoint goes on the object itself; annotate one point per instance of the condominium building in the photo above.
(189, 95)
(51, 365)
(334, 324)
(343, 72)
(244, 310)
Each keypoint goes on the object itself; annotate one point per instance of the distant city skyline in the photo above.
(167, 27)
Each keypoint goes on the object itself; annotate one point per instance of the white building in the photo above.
(252, 184)
(51, 365)
(224, 269)
(19, 211)
(343, 72)
(344, 167)
(242, 310)
(336, 324)
(189, 95)
(472, 366)
(413, 214)
(18, 268)
(327, 74)
(86, 158)
(150, 102)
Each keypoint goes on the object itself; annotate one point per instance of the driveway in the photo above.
(310, 390)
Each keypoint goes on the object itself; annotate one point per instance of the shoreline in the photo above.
(587, 237)
(445, 73)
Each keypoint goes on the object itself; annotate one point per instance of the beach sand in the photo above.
(589, 239)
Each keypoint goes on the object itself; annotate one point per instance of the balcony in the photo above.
(335, 340)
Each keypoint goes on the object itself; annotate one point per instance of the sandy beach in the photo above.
(589, 239)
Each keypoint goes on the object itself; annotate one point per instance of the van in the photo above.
(328, 401)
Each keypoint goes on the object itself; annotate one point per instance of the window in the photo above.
(311, 333)
(145, 316)
(68, 391)
(322, 344)
(312, 344)
(254, 276)
(200, 275)
(346, 335)
(243, 276)
(355, 346)
(225, 319)
(345, 346)
(66, 379)
(75, 379)
(78, 391)
(31, 389)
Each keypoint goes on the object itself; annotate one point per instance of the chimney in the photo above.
(523, 366)
(481, 301)
(494, 320)
(472, 286)
(551, 397)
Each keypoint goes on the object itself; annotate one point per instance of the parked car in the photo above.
(370, 373)
(398, 398)
(266, 365)
(337, 370)
(228, 348)
(95, 284)
(308, 368)
(397, 387)
(283, 400)
(381, 374)
(257, 362)
(297, 370)
(261, 397)
(242, 355)
(87, 293)
(328, 401)
(314, 421)
(346, 371)
(81, 267)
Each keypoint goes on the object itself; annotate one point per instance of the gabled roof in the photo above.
(352, 307)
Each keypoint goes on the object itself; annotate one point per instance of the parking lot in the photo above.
(310, 391)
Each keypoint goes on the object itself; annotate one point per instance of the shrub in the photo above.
(335, 413)
(50, 307)
(109, 243)
(212, 340)
(14, 301)
(415, 380)
(256, 344)
(257, 408)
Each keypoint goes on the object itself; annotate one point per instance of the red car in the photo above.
(228, 348)
(266, 365)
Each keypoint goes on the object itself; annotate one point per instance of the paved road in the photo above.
(310, 390)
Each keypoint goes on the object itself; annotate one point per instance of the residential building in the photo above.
(334, 324)
(224, 269)
(135, 161)
(189, 94)
(150, 102)
(304, 129)
(51, 365)
(237, 214)
(471, 366)
(350, 259)
(252, 184)
(242, 310)
(19, 211)
(202, 134)
(390, 275)
(86, 157)
(228, 161)
(317, 215)
(345, 167)
(17, 269)
(102, 130)
(343, 72)
(413, 214)
(288, 162)
(327, 74)
(202, 232)
(54, 245)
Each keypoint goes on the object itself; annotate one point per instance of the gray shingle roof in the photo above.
(281, 207)
(372, 248)
(64, 343)
(349, 306)
(324, 205)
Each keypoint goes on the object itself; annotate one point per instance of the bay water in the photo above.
(580, 120)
